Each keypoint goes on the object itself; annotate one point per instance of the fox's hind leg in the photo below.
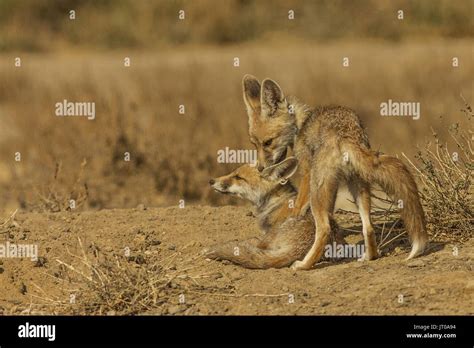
(360, 190)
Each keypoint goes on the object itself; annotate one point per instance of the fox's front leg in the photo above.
(302, 200)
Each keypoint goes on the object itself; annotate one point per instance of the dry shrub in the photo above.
(121, 284)
(446, 177)
(59, 196)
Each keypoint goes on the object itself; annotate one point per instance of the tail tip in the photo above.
(418, 247)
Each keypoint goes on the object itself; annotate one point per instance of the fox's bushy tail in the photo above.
(248, 254)
(397, 181)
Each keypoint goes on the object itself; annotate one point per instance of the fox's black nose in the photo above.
(260, 168)
(211, 182)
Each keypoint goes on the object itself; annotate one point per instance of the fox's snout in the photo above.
(219, 185)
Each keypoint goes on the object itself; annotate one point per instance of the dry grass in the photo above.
(117, 285)
(446, 175)
(56, 196)
(94, 283)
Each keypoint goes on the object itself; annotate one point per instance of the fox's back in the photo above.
(331, 125)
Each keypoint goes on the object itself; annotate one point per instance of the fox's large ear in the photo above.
(251, 91)
(282, 171)
(271, 98)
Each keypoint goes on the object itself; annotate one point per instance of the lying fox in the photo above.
(286, 238)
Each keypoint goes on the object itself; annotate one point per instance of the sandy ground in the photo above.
(437, 283)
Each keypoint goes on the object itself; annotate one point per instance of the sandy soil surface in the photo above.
(441, 282)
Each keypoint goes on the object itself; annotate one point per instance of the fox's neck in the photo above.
(276, 206)
(301, 111)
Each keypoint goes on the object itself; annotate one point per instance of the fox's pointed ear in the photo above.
(282, 171)
(251, 91)
(271, 98)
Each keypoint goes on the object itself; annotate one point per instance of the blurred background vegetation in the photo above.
(40, 25)
(190, 62)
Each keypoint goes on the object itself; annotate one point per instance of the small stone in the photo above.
(41, 262)
(138, 259)
(217, 276)
(416, 263)
(174, 309)
(141, 206)
(236, 276)
(23, 290)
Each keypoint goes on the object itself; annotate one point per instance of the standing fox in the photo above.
(331, 147)
(287, 238)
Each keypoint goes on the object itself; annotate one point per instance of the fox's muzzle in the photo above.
(219, 186)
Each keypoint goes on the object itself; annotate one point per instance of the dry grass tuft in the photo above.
(56, 196)
(446, 176)
(119, 285)
(102, 284)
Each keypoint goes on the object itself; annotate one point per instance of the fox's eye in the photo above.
(238, 177)
(267, 142)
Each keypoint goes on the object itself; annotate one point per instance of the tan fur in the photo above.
(286, 238)
(331, 147)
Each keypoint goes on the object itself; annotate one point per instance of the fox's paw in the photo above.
(369, 257)
(300, 265)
